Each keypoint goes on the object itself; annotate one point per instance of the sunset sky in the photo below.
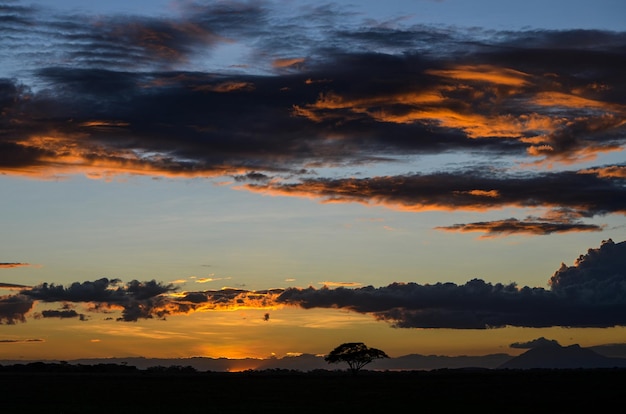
(268, 178)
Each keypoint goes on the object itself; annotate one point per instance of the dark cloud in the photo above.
(596, 277)
(138, 300)
(19, 341)
(100, 290)
(515, 226)
(475, 305)
(123, 94)
(534, 343)
(252, 176)
(61, 314)
(11, 286)
(348, 108)
(13, 308)
(569, 196)
(393, 102)
(591, 293)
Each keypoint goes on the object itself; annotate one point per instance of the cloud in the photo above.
(124, 94)
(13, 265)
(596, 277)
(567, 196)
(13, 308)
(614, 171)
(12, 286)
(100, 112)
(591, 293)
(514, 226)
(535, 343)
(224, 299)
(138, 300)
(344, 284)
(20, 341)
(61, 314)
(208, 279)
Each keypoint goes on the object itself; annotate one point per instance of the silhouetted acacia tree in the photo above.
(355, 354)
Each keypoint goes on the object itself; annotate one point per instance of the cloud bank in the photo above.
(318, 90)
(591, 293)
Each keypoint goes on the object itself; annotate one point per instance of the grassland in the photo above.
(323, 392)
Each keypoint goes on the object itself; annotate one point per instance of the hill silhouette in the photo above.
(552, 355)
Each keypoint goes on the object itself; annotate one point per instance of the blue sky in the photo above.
(195, 146)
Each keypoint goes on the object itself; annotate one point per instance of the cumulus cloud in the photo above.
(590, 293)
(138, 300)
(13, 308)
(596, 277)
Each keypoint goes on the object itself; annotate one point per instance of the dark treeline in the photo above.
(64, 367)
(107, 388)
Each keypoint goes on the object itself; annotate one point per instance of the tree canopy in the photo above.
(355, 354)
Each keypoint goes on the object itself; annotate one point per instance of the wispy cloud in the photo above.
(567, 196)
(20, 341)
(335, 284)
(12, 286)
(6, 265)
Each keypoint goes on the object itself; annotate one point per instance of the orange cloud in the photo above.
(351, 193)
(438, 105)
(287, 62)
(104, 123)
(481, 193)
(553, 99)
(484, 73)
(487, 101)
(344, 284)
(226, 87)
(615, 171)
(13, 265)
(66, 154)
(226, 299)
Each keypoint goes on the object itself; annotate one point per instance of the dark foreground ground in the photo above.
(445, 391)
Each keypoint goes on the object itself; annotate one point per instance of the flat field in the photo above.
(500, 391)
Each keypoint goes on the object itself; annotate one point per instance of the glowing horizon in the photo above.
(237, 179)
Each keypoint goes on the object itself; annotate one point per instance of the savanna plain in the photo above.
(119, 389)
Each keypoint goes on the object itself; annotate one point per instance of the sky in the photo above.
(269, 178)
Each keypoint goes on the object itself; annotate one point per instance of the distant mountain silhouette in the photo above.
(544, 356)
(555, 356)
(430, 362)
(304, 362)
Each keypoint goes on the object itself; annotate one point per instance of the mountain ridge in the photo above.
(551, 355)
(555, 356)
